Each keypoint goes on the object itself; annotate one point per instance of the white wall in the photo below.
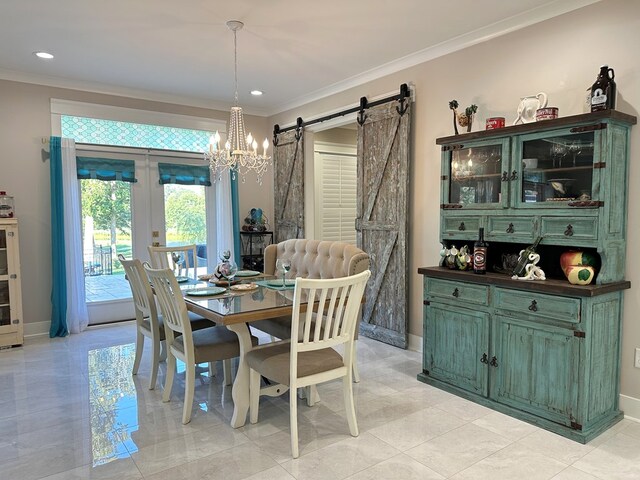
(561, 57)
(25, 118)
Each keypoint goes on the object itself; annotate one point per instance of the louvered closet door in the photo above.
(382, 221)
(288, 186)
(338, 196)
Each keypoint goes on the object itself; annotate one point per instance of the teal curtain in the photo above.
(184, 174)
(59, 286)
(235, 214)
(106, 169)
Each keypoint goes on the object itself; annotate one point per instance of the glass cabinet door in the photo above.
(475, 175)
(5, 308)
(557, 169)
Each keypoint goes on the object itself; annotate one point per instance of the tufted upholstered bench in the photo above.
(310, 259)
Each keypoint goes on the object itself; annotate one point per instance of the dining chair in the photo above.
(175, 257)
(309, 358)
(148, 322)
(192, 347)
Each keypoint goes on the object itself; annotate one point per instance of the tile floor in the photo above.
(70, 409)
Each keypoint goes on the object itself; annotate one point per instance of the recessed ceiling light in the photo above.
(45, 55)
(257, 93)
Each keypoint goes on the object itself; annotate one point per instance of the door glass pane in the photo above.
(186, 220)
(476, 175)
(558, 169)
(106, 232)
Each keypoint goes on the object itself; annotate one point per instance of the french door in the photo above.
(125, 218)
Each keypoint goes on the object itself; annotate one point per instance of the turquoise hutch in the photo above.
(546, 352)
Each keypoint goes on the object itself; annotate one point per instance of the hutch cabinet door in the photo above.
(456, 342)
(9, 314)
(554, 168)
(474, 175)
(536, 368)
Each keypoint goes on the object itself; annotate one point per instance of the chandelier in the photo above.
(240, 153)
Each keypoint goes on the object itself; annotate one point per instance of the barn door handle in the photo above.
(493, 362)
(484, 359)
(456, 293)
(462, 227)
(534, 306)
(510, 228)
(569, 231)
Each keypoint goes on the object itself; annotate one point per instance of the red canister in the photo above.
(495, 122)
(546, 113)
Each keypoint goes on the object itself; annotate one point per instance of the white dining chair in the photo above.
(148, 322)
(311, 359)
(176, 257)
(192, 347)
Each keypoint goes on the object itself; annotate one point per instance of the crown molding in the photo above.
(484, 34)
(138, 94)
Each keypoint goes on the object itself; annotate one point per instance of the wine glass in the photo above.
(228, 269)
(178, 262)
(283, 265)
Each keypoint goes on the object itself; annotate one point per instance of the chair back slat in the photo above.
(172, 304)
(336, 317)
(140, 289)
(163, 257)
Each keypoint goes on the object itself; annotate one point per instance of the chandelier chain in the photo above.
(235, 63)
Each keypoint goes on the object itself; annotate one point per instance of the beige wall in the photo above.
(344, 136)
(25, 117)
(561, 57)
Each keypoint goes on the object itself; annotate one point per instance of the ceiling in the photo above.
(295, 51)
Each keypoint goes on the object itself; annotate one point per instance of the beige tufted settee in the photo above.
(310, 259)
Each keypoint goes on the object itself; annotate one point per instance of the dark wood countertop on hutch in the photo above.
(538, 126)
(554, 287)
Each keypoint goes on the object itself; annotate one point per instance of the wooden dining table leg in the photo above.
(240, 391)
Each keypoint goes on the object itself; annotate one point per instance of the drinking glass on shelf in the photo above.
(283, 265)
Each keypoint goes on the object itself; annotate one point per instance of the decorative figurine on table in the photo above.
(531, 271)
(256, 221)
(579, 267)
(464, 119)
(464, 261)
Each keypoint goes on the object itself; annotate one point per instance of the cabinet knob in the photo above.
(569, 231)
(456, 293)
(510, 228)
(484, 359)
(534, 306)
(462, 227)
(493, 362)
(514, 175)
(505, 176)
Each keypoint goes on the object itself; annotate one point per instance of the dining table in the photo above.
(235, 309)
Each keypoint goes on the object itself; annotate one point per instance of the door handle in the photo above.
(493, 362)
(484, 359)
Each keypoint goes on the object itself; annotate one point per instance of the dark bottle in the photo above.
(603, 91)
(480, 254)
(523, 260)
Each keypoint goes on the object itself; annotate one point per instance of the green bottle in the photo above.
(523, 260)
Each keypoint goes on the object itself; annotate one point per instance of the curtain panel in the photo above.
(68, 297)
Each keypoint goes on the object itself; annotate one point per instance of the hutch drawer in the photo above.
(461, 226)
(564, 309)
(457, 292)
(570, 229)
(511, 229)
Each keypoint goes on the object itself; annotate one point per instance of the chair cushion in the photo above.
(212, 344)
(279, 327)
(197, 323)
(273, 362)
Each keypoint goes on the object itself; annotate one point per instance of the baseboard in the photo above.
(631, 407)
(415, 343)
(35, 329)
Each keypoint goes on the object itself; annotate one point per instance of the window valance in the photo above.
(106, 169)
(184, 174)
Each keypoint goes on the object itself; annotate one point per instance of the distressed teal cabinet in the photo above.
(546, 352)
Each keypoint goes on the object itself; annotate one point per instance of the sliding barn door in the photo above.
(382, 221)
(288, 186)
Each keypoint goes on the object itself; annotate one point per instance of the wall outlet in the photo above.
(636, 362)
